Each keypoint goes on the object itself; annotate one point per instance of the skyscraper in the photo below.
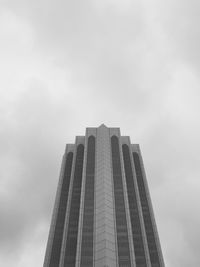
(103, 215)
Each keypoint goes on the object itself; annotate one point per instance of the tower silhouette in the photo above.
(103, 215)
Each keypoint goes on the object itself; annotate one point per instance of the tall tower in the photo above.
(103, 215)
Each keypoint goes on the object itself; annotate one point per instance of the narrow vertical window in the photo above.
(88, 215)
(134, 210)
(120, 212)
(72, 231)
(60, 219)
(153, 251)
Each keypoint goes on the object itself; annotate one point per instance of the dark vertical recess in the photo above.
(153, 251)
(88, 215)
(60, 218)
(72, 231)
(134, 210)
(120, 213)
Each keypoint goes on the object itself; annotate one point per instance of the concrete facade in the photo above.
(123, 231)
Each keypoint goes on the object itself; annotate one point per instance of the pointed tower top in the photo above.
(102, 126)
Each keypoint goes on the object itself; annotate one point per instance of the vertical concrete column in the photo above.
(79, 140)
(136, 148)
(126, 140)
(89, 131)
(69, 148)
(53, 220)
(105, 244)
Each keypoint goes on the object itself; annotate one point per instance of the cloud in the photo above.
(180, 20)
(67, 65)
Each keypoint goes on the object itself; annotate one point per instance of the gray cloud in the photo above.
(67, 65)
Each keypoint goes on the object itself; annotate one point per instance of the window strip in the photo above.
(72, 231)
(88, 215)
(60, 219)
(120, 212)
(134, 210)
(153, 251)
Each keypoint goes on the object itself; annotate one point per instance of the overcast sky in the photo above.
(67, 65)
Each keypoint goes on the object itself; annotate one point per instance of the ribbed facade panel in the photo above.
(88, 212)
(55, 239)
(138, 242)
(121, 222)
(72, 230)
(60, 219)
(147, 214)
(105, 242)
